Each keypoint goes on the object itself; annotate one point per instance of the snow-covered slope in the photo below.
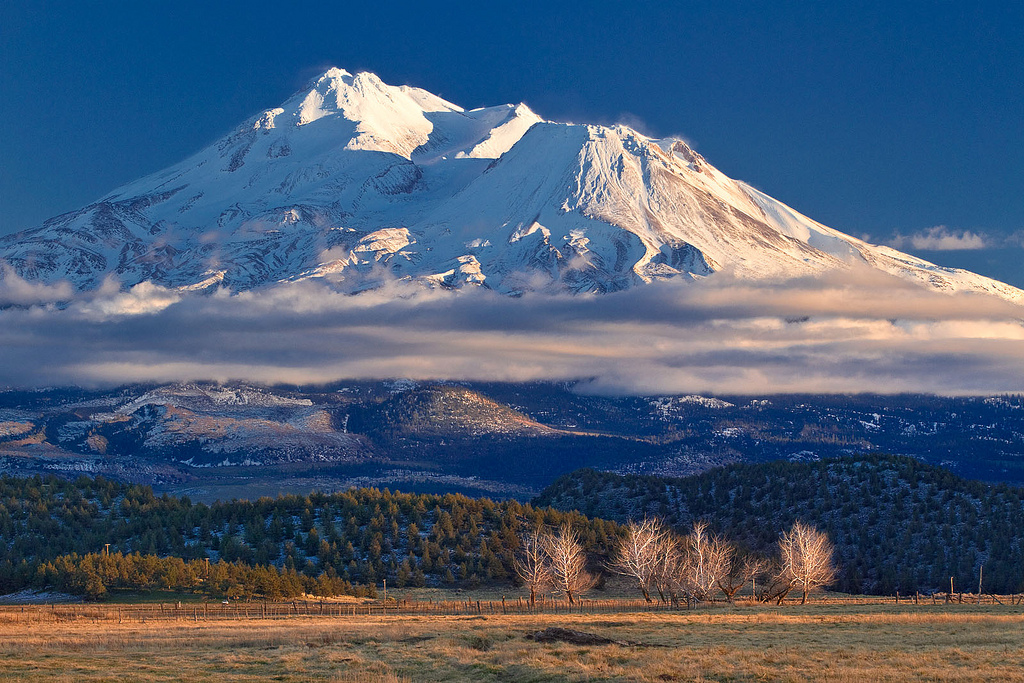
(356, 181)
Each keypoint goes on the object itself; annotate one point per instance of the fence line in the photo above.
(215, 611)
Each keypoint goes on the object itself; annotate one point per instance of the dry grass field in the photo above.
(821, 642)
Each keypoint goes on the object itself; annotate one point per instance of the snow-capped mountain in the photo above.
(356, 181)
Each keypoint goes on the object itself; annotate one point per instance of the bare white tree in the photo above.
(531, 564)
(637, 555)
(806, 559)
(568, 562)
(667, 568)
(706, 559)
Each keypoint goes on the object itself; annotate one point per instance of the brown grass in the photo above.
(824, 642)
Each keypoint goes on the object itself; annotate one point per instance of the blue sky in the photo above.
(885, 120)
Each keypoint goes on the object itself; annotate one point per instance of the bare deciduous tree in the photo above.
(776, 586)
(638, 555)
(806, 559)
(568, 563)
(739, 572)
(531, 564)
(667, 568)
(706, 559)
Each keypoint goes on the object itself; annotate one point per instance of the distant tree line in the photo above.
(94, 574)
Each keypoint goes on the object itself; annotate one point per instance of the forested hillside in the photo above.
(361, 536)
(897, 523)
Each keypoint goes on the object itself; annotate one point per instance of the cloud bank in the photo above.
(854, 332)
(941, 238)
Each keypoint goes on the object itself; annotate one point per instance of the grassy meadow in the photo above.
(720, 643)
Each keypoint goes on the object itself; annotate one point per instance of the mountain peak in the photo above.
(352, 178)
(388, 118)
(332, 73)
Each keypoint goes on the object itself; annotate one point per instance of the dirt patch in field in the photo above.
(568, 635)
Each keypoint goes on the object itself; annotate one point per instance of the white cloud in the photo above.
(143, 298)
(17, 291)
(858, 332)
(941, 238)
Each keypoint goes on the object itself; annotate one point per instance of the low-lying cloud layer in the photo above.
(851, 333)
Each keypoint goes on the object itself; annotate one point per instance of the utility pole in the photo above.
(385, 591)
(106, 549)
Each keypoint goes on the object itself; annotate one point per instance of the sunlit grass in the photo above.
(822, 642)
